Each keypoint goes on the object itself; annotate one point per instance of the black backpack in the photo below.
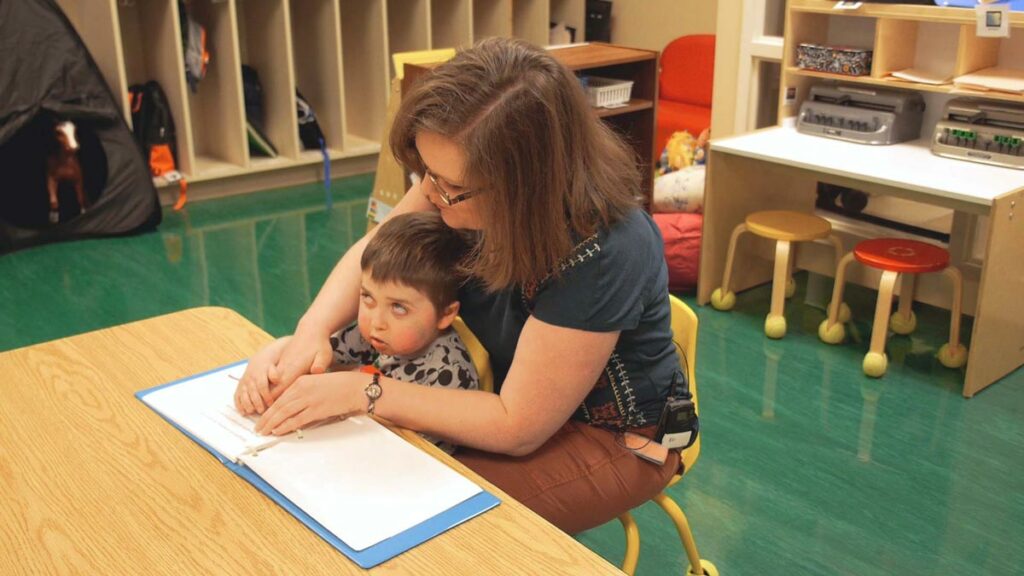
(153, 127)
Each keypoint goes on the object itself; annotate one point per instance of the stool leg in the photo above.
(723, 298)
(837, 246)
(904, 321)
(775, 323)
(875, 362)
(954, 354)
(831, 330)
(790, 282)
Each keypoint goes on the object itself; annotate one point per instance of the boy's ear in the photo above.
(448, 315)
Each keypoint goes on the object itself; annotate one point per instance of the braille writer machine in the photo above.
(981, 131)
(862, 115)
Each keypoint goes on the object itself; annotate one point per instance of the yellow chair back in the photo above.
(477, 353)
(684, 333)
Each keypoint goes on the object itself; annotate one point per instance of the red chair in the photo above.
(898, 259)
(684, 87)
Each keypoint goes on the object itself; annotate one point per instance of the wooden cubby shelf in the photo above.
(335, 52)
(940, 40)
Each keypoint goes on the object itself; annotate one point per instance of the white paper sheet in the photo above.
(355, 477)
(205, 407)
(361, 481)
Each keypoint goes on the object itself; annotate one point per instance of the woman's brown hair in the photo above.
(550, 172)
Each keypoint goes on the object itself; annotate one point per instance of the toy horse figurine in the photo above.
(62, 166)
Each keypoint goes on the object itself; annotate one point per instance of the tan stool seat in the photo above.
(788, 225)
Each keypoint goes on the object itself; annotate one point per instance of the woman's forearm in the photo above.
(468, 418)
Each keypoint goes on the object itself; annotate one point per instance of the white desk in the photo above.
(778, 168)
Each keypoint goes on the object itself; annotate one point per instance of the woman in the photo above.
(568, 293)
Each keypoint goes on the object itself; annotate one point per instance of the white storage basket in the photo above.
(607, 92)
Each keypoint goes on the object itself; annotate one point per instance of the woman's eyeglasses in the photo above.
(449, 198)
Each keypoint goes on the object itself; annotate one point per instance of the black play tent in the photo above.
(46, 74)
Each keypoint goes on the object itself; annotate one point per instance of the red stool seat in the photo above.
(903, 256)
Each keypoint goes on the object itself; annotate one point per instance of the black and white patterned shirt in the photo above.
(445, 363)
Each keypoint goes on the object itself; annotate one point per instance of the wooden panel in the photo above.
(491, 18)
(218, 114)
(451, 23)
(266, 45)
(316, 51)
(975, 53)
(151, 37)
(97, 24)
(364, 51)
(530, 20)
(895, 43)
(997, 341)
(595, 55)
(408, 25)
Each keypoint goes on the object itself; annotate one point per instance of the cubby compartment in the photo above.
(150, 35)
(97, 24)
(572, 13)
(928, 48)
(451, 23)
(491, 18)
(364, 59)
(408, 26)
(530, 20)
(977, 53)
(316, 54)
(265, 45)
(829, 30)
(216, 106)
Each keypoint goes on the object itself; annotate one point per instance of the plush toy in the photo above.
(700, 153)
(678, 153)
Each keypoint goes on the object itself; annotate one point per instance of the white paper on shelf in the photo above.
(923, 76)
(997, 79)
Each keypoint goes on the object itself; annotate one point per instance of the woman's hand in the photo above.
(253, 394)
(307, 352)
(313, 398)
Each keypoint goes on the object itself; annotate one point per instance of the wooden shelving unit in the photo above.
(336, 52)
(901, 37)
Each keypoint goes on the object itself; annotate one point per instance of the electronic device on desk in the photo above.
(862, 115)
(981, 131)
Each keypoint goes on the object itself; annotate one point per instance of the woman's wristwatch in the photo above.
(373, 392)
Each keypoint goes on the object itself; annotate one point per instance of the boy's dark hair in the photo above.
(420, 251)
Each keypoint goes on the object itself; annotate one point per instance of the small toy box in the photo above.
(606, 92)
(834, 59)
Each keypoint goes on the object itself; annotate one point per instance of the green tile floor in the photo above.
(807, 466)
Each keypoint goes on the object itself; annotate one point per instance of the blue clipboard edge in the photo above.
(371, 556)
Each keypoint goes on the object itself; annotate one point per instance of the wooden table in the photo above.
(778, 169)
(93, 481)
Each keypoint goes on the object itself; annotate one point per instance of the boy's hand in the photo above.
(254, 395)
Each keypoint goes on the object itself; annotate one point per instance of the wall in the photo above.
(727, 53)
(652, 24)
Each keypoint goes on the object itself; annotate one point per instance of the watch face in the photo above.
(373, 390)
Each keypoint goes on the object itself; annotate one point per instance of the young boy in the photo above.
(408, 299)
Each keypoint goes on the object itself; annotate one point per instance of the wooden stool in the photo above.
(896, 257)
(785, 227)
